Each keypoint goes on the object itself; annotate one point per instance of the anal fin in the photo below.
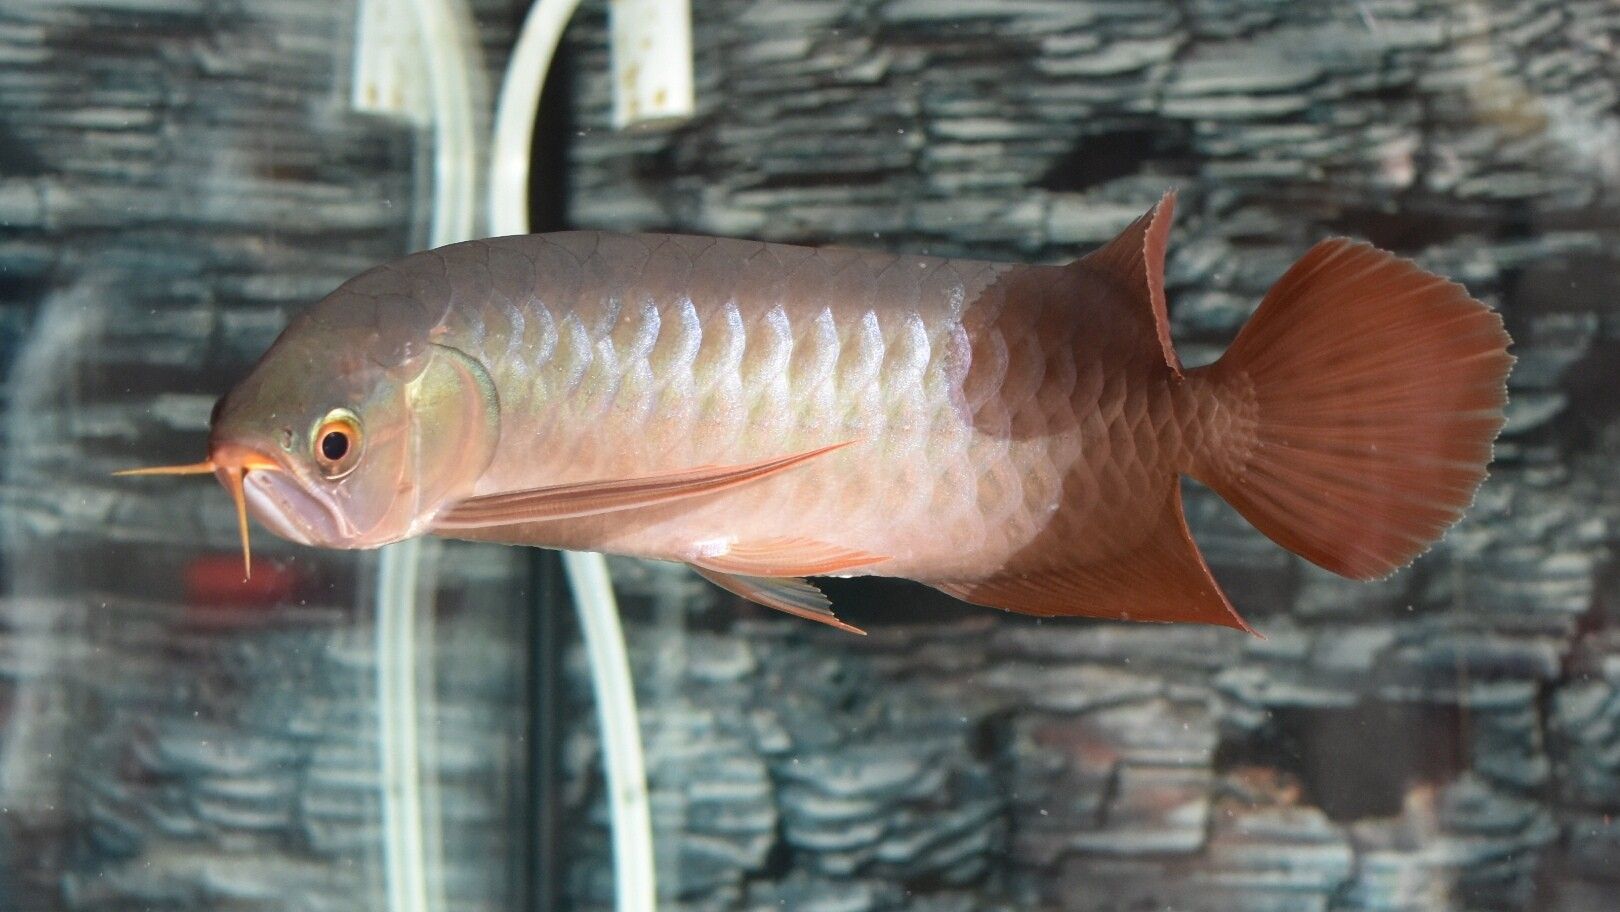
(794, 596)
(1162, 579)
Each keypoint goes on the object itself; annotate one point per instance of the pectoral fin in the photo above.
(794, 596)
(586, 498)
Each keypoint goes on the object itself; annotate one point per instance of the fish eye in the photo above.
(337, 443)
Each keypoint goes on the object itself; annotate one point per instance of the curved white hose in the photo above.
(622, 756)
(634, 874)
(452, 64)
(515, 114)
(399, 739)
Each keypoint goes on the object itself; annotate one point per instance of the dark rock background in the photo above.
(1446, 739)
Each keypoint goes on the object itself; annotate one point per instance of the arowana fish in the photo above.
(1010, 434)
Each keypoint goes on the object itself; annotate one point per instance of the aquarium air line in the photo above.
(666, 59)
(452, 64)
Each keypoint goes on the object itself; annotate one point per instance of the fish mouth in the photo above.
(275, 493)
(279, 500)
(292, 511)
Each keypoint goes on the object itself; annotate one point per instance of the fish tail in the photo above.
(1352, 419)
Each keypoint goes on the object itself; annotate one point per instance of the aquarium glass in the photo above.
(178, 178)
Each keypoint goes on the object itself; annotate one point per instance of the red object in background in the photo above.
(215, 581)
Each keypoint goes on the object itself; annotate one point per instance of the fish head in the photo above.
(342, 437)
(333, 448)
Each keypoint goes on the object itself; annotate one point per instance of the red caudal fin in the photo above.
(1354, 414)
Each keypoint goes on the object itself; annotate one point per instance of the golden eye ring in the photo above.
(336, 443)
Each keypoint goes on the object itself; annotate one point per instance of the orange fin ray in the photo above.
(793, 596)
(566, 501)
(1163, 579)
(787, 557)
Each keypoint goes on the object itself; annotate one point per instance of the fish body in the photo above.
(1011, 434)
(972, 395)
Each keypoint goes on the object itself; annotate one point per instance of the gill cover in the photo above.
(455, 423)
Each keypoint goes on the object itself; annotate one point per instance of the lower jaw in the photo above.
(270, 513)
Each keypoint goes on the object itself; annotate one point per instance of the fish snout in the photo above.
(240, 458)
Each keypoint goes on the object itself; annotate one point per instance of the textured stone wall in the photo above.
(1446, 739)
(176, 178)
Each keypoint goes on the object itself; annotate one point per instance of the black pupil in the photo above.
(335, 445)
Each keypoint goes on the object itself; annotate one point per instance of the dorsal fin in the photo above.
(1135, 259)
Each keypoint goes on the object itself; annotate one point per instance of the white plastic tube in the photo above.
(652, 62)
(634, 872)
(622, 756)
(405, 863)
(454, 69)
(515, 114)
(452, 65)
